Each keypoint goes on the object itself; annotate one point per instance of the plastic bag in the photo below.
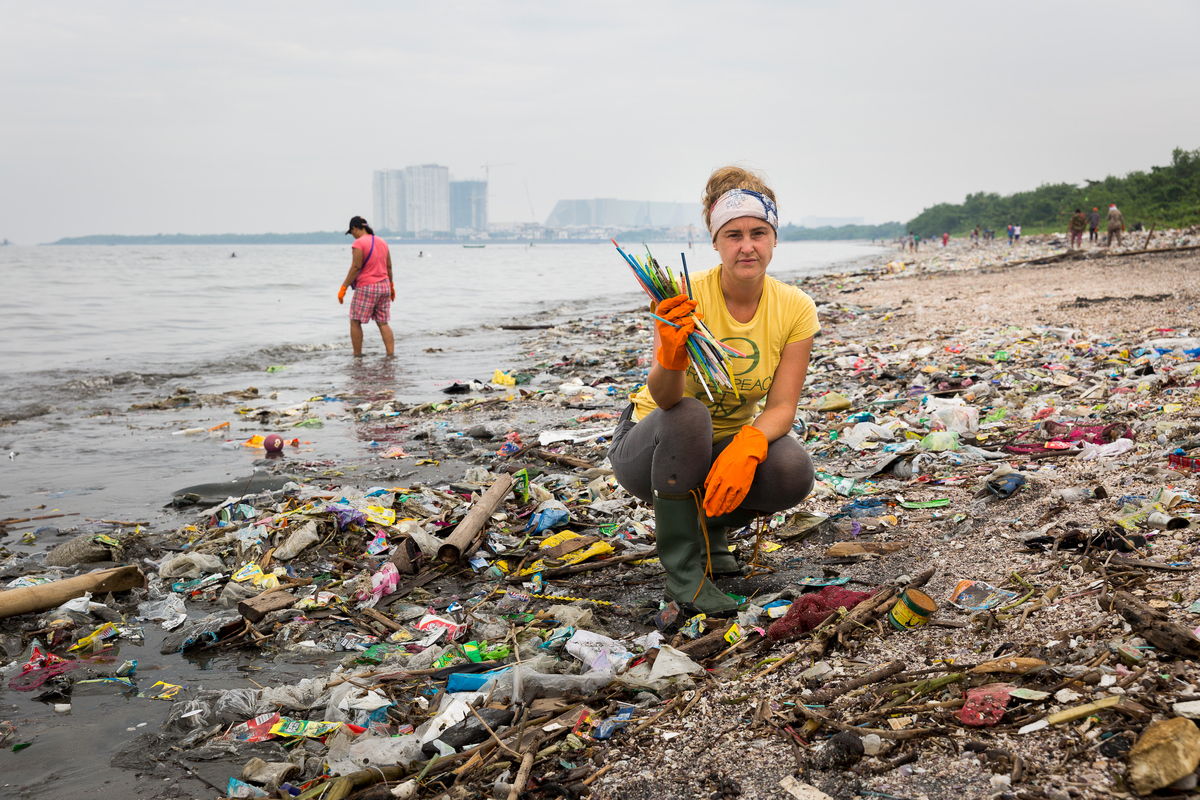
(236, 704)
(532, 682)
(190, 565)
(202, 631)
(372, 751)
(80, 550)
(598, 652)
(170, 611)
(302, 695)
(959, 420)
(1092, 451)
(671, 662)
(939, 441)
(301, 538)
(858, 435)
(383, 582)
(550, 514)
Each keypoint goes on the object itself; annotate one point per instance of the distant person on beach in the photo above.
(1010, 234)
(916, 242)
(1076, 227)
(370, 276)
(1017, 234)
(1116, 225)
(945, 239)
(711, 464)
(1094, 225)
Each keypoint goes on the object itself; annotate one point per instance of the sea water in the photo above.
(90, 330)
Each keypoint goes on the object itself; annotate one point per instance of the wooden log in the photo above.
(1122, 561)
(911, 733)
(566, 461)
(257, 607)
(464, 534)
(1149, 236)
(383, 620)
(589, 566)
(30, 599)
(1153, 624)
(823, 697)
(707, 645)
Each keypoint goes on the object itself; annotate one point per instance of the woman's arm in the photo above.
(356, 262)
(780, 412)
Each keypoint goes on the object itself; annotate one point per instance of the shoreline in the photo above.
(929, 321)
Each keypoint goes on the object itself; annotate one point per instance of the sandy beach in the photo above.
(1032, 352)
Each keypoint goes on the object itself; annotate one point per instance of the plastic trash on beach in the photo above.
(297, 541)
(978, 596)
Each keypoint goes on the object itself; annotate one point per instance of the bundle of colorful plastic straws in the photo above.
(708, 356)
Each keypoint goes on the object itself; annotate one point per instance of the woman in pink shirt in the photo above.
(370, 276)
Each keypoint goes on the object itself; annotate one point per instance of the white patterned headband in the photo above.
(742, 203)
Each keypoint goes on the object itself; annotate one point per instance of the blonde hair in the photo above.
(723, 179)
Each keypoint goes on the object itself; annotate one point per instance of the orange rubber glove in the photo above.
(672, 342)
(341, 294)
(731, 474)
(393, 292)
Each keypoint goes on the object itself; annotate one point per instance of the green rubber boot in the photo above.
(723, 561)
(682, 552)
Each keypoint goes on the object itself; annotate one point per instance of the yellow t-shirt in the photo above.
(785, 315)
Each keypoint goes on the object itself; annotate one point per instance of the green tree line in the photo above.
(888, 230)
(1168, 196)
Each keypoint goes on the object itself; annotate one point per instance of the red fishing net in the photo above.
(810, 610)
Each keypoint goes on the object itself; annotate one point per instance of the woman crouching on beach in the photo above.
(710, 466)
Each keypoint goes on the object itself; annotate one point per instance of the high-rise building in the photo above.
(388, 195)
(412, 200)
(427, 199)
(468, 205)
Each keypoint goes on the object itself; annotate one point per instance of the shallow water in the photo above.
(132, 324)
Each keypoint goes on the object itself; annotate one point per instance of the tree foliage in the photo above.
(888, 230)
(1168, 196)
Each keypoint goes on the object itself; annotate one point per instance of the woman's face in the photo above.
(746, 245)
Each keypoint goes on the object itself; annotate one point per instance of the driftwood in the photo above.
(823, 697)
(30, 599)
(255, 608)
(466, 531)
(1153, 625)
(589, 566)
(566, 461)
(1122, 561)
(862, 615)
(385, 621)
(707, 645)
(882, 733)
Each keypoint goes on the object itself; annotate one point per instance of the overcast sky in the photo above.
(149, 117)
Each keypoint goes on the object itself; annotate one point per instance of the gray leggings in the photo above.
(671, 451)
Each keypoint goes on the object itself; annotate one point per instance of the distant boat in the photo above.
(7, 242)
(475, 246)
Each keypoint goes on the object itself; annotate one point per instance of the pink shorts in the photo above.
(372, 301)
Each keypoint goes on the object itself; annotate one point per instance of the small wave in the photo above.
(28, 411)
(288, 349)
